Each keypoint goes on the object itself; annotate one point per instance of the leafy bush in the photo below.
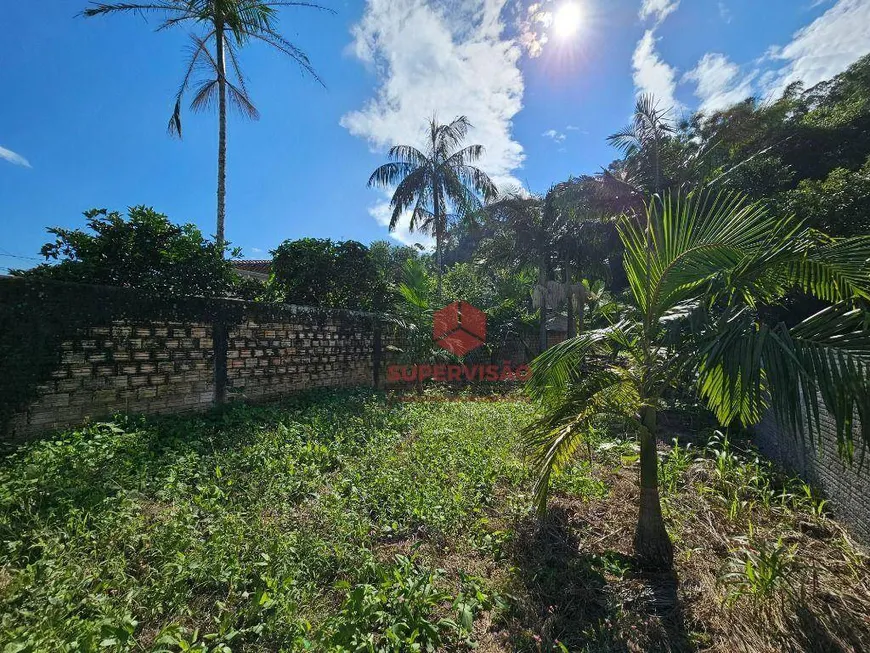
(320, 272)
(144, 250)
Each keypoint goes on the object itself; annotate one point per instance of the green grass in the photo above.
(340, 522)
(261, 528)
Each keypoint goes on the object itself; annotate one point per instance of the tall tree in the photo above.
(705, 272)
(225, 26)
(643, 140)
(429, 183)
(522, 237)
(584, 235)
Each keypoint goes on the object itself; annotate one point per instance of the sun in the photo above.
(567, 19)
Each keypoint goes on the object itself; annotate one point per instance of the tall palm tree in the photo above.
(224, 26)
(566, 225)
(431, 182)
(645, 136)
(585, 236)
(705, 272)
(522, 236)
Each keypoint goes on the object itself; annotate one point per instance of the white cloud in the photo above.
(532, 26)
(652, 74)
(444, 58)
(824, 48)
(719, 81)
(553, 134)
(724, 12)
(657, 9)
(13, 157)
(572, 128)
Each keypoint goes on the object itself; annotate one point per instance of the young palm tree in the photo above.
(225, 27)
(706, 274)
(431, 182)
(645, 136)
(413, 315)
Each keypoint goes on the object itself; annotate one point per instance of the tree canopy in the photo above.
(142, 250)
(338, 274)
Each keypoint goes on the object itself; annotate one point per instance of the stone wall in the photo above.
(847, 486)
(70, 353)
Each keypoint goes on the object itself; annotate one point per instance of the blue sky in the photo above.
(86, 102)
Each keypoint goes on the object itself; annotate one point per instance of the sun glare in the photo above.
(567, 19)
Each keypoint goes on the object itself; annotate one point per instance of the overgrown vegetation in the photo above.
(343, 522)
(142, 250)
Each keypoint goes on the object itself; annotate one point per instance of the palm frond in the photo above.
(237, 69)
(690, 241)
(558, 366)
(827, 357)
(731, 369)
(476, 180)
(421, 220)
(100, 8)
(749, 366)
(200, 47)
(390, 174)
(626, 140)
(833, 271)
(205, 95)
(410, 155)
(242, 102)
(649, 116)
(452, 134)
(413, 190)
(552, 440)
(465, 156)
(272, 38)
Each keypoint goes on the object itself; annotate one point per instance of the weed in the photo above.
(396, 613)
(234, 529)
(675, 464)
(577, 480)
(759, 571)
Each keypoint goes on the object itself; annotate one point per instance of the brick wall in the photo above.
(135, 367)
(845, 485)
(268, 359)
(70, 353)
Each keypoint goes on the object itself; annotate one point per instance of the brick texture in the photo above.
(270, 359)
(161, 367)
(845, 485)
(111, 350)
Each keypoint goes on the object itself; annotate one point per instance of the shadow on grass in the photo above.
(570, 596)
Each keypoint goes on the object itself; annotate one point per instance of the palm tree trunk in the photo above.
(222, 135)
(569, 279)
(581, 309)
(439, 236)
(652, 545)
(542, 284)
